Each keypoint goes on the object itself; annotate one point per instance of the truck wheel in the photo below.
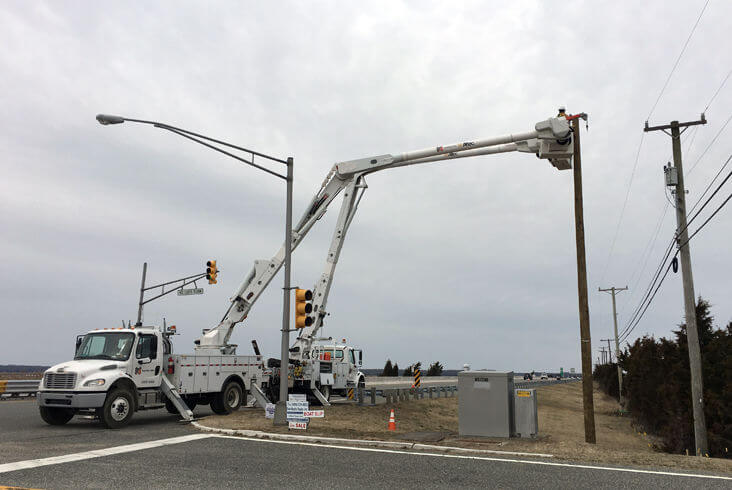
(56, 416)
(117, 409)
(228, 400)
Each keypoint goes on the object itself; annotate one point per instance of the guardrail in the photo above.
(396, 394)
(14, 388)
(545, 382)
(393, 394)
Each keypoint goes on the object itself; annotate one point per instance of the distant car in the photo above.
(528, 377)
(544, 376)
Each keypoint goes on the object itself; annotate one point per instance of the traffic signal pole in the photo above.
(280, 415)
(682, 242)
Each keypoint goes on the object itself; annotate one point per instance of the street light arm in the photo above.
(183, 134)
(106, 119)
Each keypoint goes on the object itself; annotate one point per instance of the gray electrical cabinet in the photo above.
(485, 403)
(527, 417)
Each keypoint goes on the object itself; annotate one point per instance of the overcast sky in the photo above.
(469, 261)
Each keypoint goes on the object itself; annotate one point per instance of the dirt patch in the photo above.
(561, 429)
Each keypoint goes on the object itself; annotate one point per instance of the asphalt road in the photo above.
(221, 462)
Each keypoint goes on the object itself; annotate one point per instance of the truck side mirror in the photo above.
(79, 339)
(360, 358)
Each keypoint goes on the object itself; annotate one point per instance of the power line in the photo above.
(640, 145)
(710, 184)
(649, 288)
(677, 60)
(645, 256)
(622, 212)
(710, 197)
(647, 250)
(628, 331)
(711, 143)
(647, 300)
(708, 219)
(720, 88)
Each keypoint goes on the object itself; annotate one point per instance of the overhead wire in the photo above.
(649, 288)
(678, 58)
(640, 145)
(717, 92)
(645, 303)
(711, 143)
(710, 185)
(622, 211)
(647, 250)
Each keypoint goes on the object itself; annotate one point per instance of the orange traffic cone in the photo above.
(392, 422)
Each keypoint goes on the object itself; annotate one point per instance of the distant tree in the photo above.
(409, 371)
(387, 368)
(435, 369)
(395, 370)
(657, 384)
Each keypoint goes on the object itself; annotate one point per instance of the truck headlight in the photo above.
(94, 382)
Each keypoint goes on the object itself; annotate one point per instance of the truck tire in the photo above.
(228, 400)
(117, 409)
(56, 416)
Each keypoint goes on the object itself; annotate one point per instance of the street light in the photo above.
(281, 408)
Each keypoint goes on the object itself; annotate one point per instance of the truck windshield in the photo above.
(115, 346)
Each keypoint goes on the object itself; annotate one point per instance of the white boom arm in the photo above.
(551, 139)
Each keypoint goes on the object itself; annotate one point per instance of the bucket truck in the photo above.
(117, 371)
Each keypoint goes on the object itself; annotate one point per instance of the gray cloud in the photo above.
(464, 261)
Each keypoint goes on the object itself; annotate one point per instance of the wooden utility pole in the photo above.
(613, 290)
(584, 309)
(682, 242)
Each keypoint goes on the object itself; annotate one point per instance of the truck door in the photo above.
(340, 370)
(148, 361)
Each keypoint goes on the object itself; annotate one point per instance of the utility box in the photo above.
(527, 418)
(485, 403)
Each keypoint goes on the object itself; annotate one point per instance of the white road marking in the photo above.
(97, 453)
(484, 458)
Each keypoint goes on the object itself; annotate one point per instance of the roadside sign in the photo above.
(269, 411)
(298, 425)
(188, 292)
(523, 393)
(571, 370)
(314, 413)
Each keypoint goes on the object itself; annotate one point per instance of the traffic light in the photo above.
(303, 308)
(211, 271)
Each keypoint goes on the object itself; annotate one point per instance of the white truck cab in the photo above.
(118, 371)
(334, 367)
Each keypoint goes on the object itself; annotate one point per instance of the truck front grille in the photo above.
(59, 381)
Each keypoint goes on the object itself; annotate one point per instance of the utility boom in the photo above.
(551, 139)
